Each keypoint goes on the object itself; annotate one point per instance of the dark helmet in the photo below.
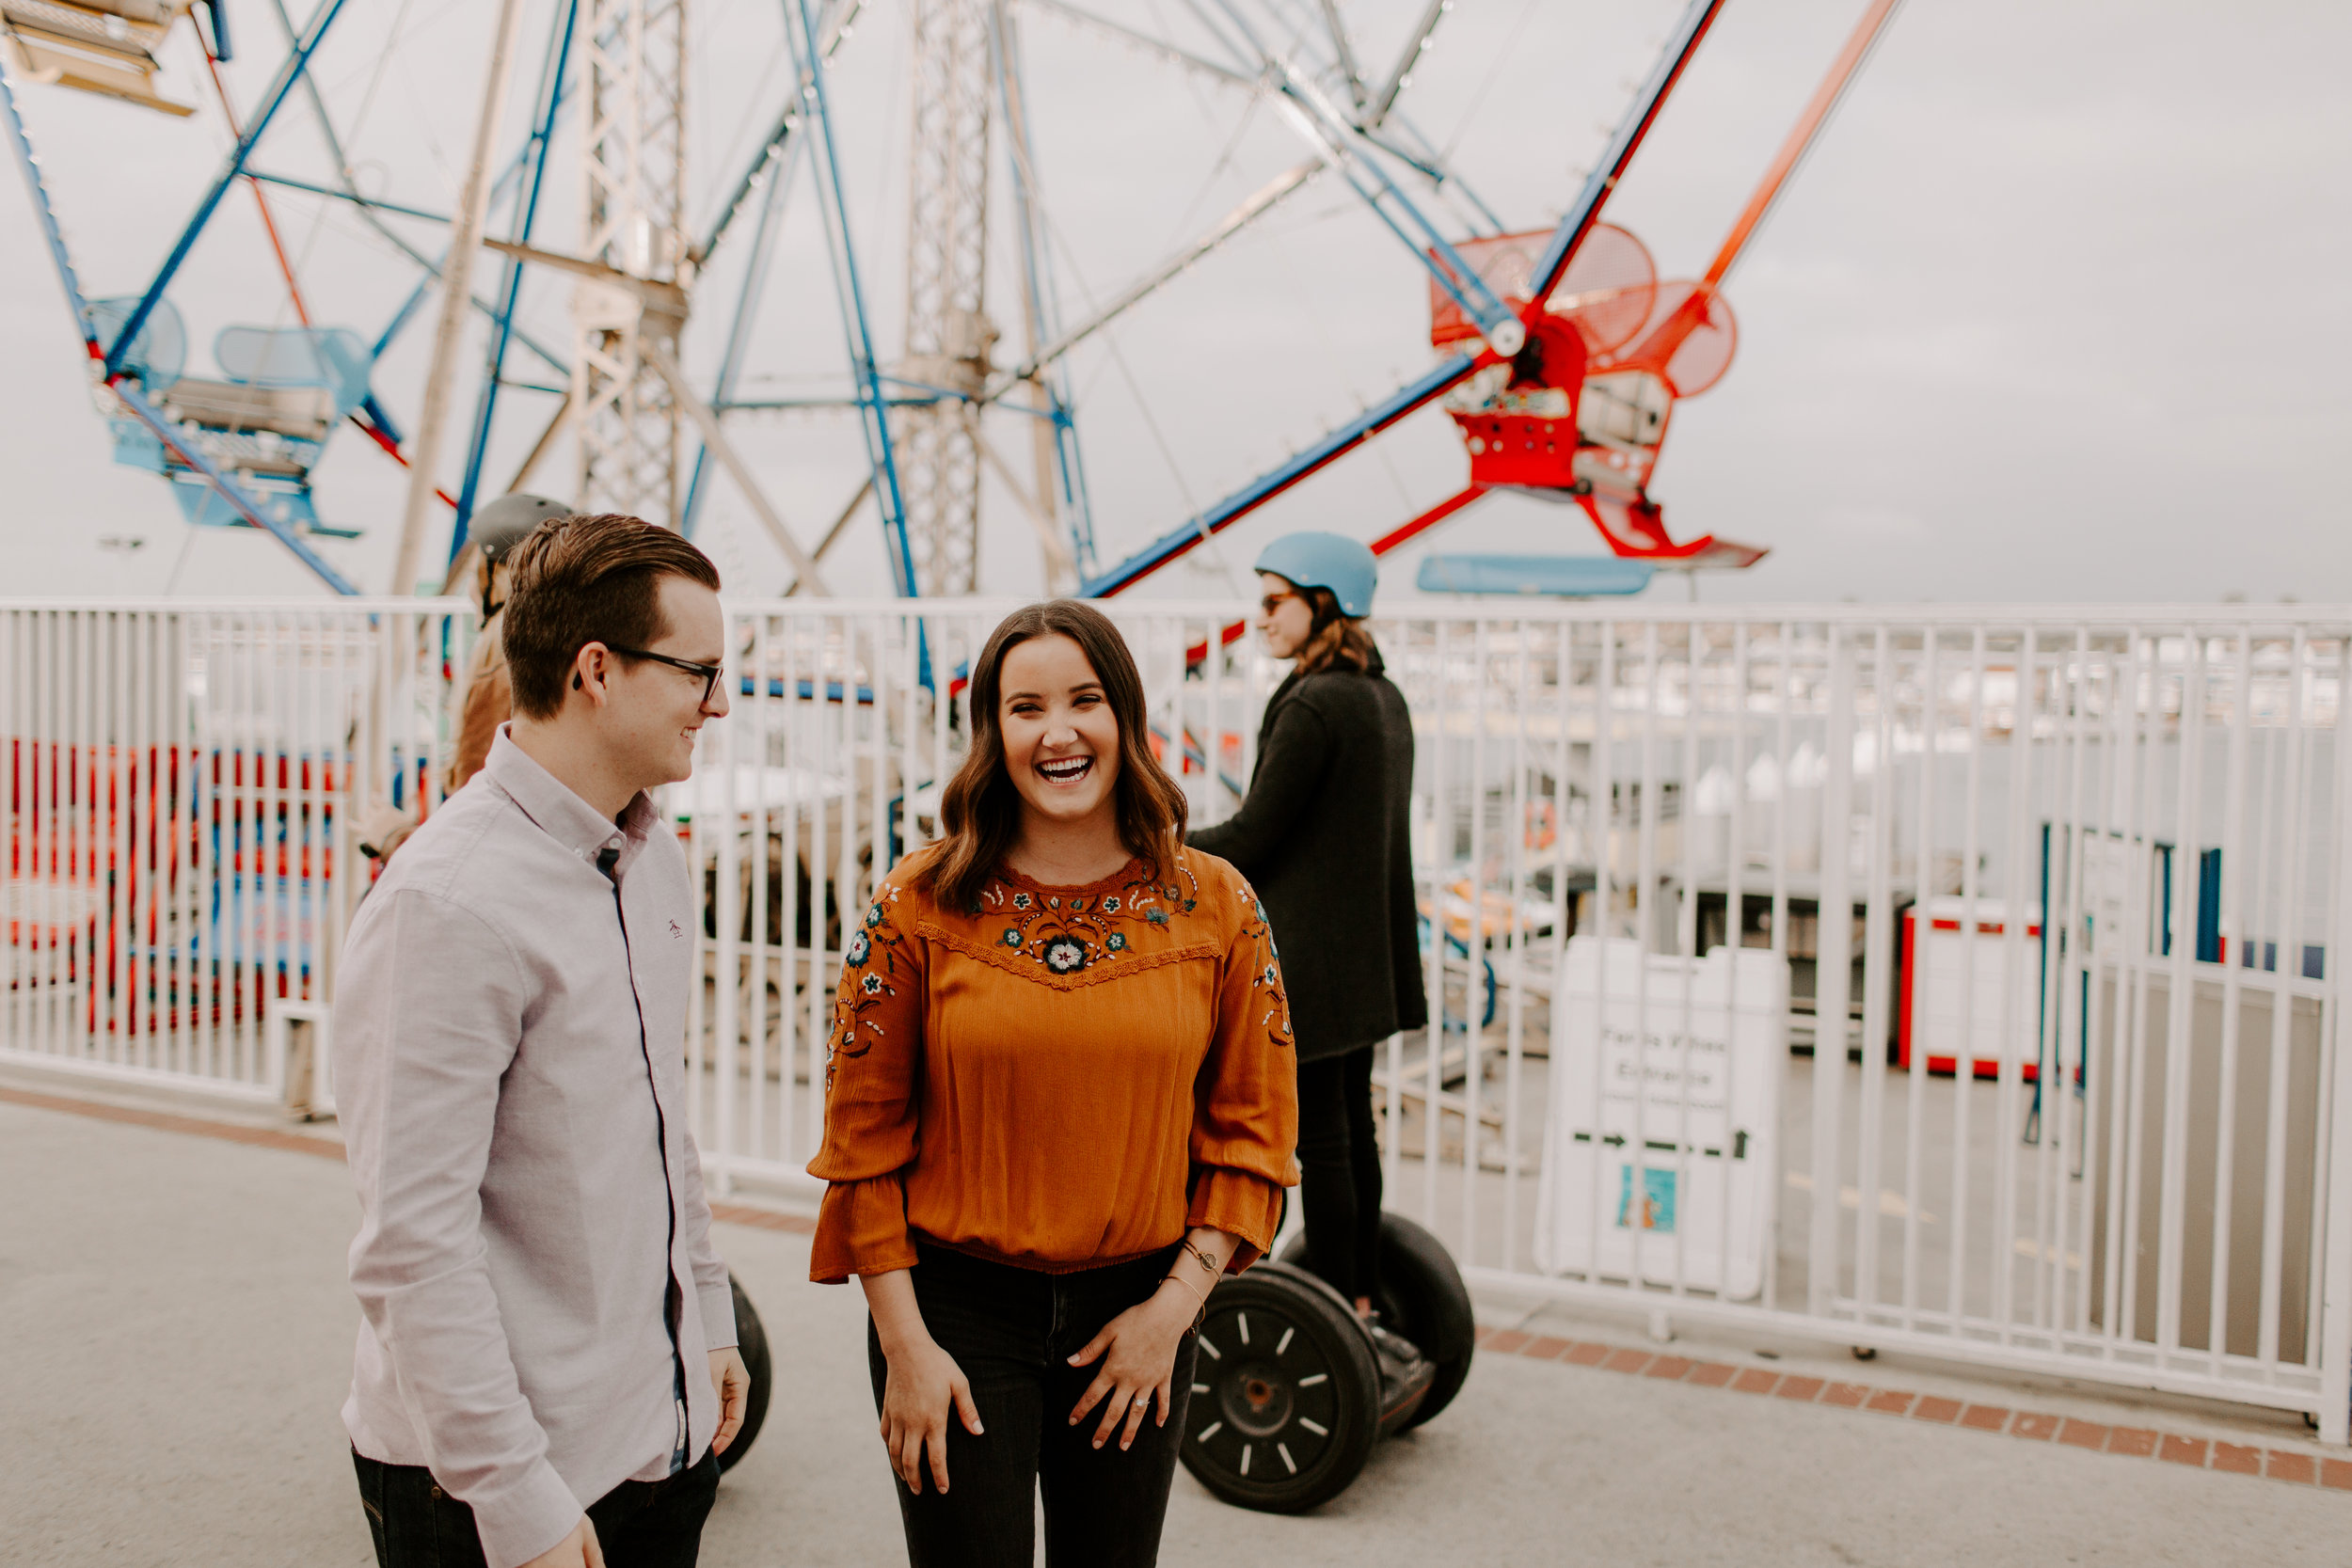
(506, 522)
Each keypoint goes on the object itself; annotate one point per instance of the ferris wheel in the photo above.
(1558, 353)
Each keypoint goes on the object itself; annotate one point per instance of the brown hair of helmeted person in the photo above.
(980, 812)
(1337, 640)
(583, 579)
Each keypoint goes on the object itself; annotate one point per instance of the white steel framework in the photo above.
(634, 183)
(949, 338)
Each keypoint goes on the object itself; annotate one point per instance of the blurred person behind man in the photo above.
(485, 565)
(545, 1370)
(490, 539)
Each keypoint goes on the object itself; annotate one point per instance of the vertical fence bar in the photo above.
(1687, 937)
(1877, 953)
(2230, 935)
(1604, 900)
(2288, 922)
(2334, 1187)
(2180, 938)
(1833, 969)
(1920, 1004)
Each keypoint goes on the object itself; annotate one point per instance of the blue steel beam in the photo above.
(281, 83)
(550, 100)
(1259, 491)
(809, 67)
(368, 202)
(1574, 226)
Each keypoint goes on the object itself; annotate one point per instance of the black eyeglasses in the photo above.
(709, 672)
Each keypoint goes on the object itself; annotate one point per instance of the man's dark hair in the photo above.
(584, 580)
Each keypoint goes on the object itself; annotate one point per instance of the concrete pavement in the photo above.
(177, 1338)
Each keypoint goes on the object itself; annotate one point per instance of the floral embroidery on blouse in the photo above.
(1066, 933)
(1273, 1004)
(873, 966)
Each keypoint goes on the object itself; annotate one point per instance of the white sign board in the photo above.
(1664, 1115)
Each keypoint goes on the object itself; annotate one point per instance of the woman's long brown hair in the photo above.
(1336, 639)
(980, 812)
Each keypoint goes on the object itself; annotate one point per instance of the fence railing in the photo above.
(182, 779)
(1965, 982)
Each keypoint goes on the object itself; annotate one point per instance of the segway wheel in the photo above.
(1423, 1299)
(751, 1339)
(1285, 1394)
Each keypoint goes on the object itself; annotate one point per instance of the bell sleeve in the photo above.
(1245, 1124)
(873, 1067)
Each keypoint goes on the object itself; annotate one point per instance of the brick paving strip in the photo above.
(2300, 1469)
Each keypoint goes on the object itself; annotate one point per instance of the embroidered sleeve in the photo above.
(872, 1064)
(1245, 1125)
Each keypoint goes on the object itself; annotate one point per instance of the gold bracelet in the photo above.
(1202, 1315)
(1201, 1254)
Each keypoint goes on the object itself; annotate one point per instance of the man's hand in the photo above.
(733, 1381)
(575, 1550)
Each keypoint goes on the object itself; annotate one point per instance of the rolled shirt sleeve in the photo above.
(1245, 1126)
(871, 1068)
(418, 1101)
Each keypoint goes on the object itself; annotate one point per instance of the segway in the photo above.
(1290, 1388)
(751, 1341)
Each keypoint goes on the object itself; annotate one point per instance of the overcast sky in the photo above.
(2054, 312)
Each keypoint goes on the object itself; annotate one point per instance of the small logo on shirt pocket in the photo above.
(678, 932)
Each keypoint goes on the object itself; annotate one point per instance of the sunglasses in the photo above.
(1273, 602)
(709, 672)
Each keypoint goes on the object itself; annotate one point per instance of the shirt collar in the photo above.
(562, 815)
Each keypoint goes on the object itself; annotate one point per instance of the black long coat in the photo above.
(1323, 838)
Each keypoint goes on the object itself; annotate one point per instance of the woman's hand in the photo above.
(923, 1388)
(1137, 1350)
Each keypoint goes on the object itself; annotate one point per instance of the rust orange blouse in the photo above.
(1064, 1078)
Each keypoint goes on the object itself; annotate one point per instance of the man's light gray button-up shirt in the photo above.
(509, 1073)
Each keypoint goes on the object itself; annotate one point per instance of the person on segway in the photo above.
(1059, 1105)
(1323, 836)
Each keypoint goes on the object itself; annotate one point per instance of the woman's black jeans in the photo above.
(1012, 1331)
(1339, 1171)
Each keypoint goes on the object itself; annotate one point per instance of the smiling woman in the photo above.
(1060, 1104)
(1058, 744)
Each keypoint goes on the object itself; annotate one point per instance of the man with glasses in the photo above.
(546, 1369)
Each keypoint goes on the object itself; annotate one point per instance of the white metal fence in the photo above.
(180, 785)
(2030, 1057)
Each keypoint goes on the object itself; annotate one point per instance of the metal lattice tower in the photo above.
(633, 173)
(949, 336)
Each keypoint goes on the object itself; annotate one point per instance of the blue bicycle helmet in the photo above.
(1331, 561)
